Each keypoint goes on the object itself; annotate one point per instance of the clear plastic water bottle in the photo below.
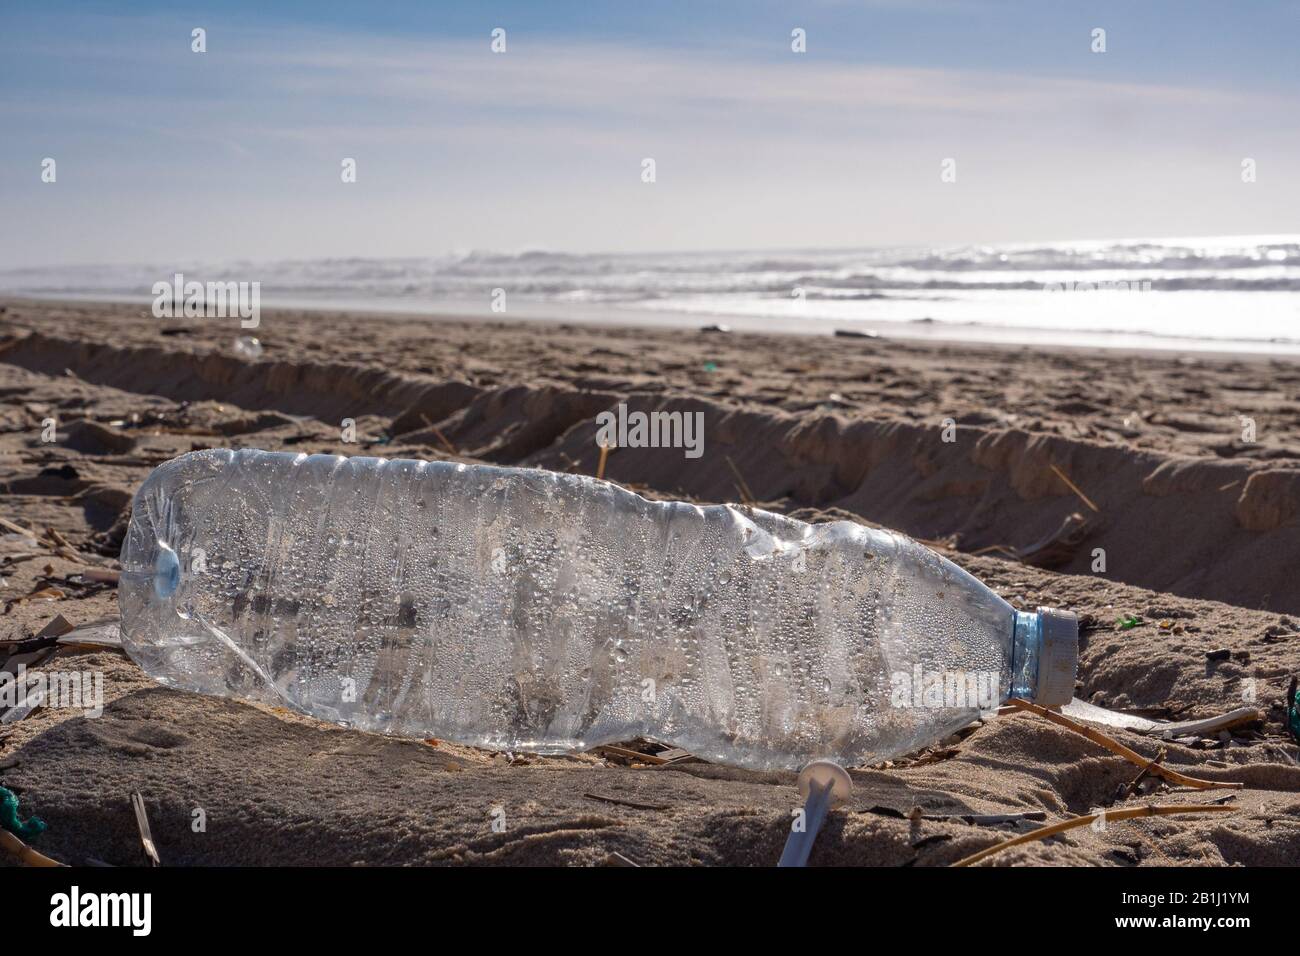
(519, 609)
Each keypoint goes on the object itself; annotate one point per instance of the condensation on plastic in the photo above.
(519, 609)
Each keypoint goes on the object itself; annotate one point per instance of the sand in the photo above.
(1200, 529)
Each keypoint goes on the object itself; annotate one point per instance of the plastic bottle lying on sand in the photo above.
(518, 609)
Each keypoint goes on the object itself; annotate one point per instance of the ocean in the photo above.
(1232, 294)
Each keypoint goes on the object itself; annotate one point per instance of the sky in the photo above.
(236, 153)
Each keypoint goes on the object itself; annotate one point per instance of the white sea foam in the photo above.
(1217, 292)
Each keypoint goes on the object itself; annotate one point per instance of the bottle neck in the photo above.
(1026, 645)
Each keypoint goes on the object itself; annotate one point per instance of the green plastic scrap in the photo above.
(1128, 622)
(31, 827)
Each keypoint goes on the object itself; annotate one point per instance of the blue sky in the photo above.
(235, 153)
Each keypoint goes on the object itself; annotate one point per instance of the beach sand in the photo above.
(1021, 465)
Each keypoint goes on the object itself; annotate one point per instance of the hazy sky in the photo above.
(164, 154)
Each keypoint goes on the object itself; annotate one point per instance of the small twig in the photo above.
(146, 837)
(17, 528)
(1115, 747)
(746, 496)
(1131, 788)
(600, 468)
(444, 439)
(1075, 488)
(1005, 549)
(441, 437)
(57, 538)
(1043, 833)
(632, 754)
(56, 544)
(63, 547)
(627, 803)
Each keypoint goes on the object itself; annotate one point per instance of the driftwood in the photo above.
(1042, 833)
